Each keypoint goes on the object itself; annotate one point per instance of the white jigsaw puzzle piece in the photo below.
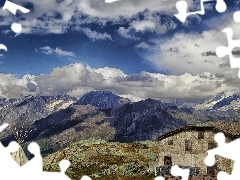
(177, 171)
(86, 178)
(2, 46)
(9, 168)
(3, 126)
(222, 51)
(12, 7)
(8, 162)
(182, 9)
(236, 16)
(64, 165)
(33, 169)
(228, 150)
(16, 27)
(36, 164)
(111, 1)
(159, 178)
(5, 155)
(223, 176)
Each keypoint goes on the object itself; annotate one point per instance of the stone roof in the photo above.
(230, 129)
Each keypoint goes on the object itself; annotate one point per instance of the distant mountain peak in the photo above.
(150, 103)
(175, 104)
(222, 101)
(102, 99)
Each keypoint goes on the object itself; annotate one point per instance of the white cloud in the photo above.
(10, 86)
(54, 17)
(145, 25)
(64, 53)
(108, 73)
(125, 33)
(151, 23)
(77, 79)
(192, 53)
(111, 1)
(96, 35)
(125, 8)
(184, 53)
(48, 50)
(143, 45)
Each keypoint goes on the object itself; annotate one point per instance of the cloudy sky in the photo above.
(134, 48)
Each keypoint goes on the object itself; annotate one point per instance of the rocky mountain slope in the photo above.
(59, 120)
(129, 122)
(197, 116)
(67, 125)
(31, 108)
(142, 120)
(98, 133)
(26, 110)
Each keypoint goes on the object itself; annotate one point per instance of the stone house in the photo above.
(187, 146)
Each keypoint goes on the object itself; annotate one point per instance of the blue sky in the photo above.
(135, 48)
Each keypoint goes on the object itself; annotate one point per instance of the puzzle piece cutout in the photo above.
(12, 7)
(111, 1)
(159, 178)
(3, 126)
(16, 27)
(222, 51)
(8, 162)
(182, 9)
(236, 16)
(33, 168)
(36, 162)
(228, 150)
(177, 171)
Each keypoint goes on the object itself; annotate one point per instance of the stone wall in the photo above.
(224, 164)
(195, 157)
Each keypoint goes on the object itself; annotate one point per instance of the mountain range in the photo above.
(56, 121)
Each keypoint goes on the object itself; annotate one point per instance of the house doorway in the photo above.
(212, 170)
(167, 161)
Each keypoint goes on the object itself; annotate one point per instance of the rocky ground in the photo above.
(103, 160)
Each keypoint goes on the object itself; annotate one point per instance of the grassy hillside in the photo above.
(103, 160)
